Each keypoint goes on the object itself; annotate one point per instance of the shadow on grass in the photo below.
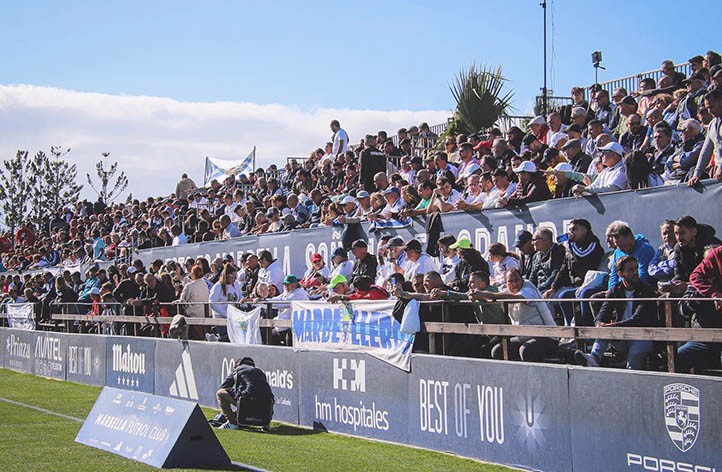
(286, 430)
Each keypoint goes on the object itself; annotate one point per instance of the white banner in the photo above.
(367, 326)
(21, 316)
(244, 327)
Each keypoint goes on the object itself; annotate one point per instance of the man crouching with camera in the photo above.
(247, 388)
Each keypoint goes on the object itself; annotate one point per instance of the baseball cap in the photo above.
(348, 199)
(482, 145)
(392, 190)
(614, 147)
(359, 243)
(362, 194)
(132, 270)
(538, 120)
(290, 279)
(564, 167)
(572, 144)
(335, 280)
(528, 139)
(463, 243)
(316, 257)
(414, 245)
(95, 291)
(396, 241)
(522, 237)
(628, 100)
(525, 166)
(578, 111)
(692, 77)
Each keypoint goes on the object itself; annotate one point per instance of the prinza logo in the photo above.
(681, 414)
(14, 347)
(128, 361)
(184, 385)
(340, 382)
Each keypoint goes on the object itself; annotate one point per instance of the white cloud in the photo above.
(156, 139)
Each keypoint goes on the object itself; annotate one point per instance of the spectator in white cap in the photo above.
(539, 128)
(612, 178)
(394, 203)
(349, 205)
(532, 186)
(364, 205)
(564, 184)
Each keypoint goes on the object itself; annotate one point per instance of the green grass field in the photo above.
(34, 441)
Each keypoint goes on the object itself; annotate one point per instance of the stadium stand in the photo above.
(87, 261)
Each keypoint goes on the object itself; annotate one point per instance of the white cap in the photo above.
(614, 147)
(564, 167)
(348, 199)
(578, 111)
(538, 120)
(525, 166)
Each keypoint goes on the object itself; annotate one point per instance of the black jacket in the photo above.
(463, 271)
(643, 313)
(581, 162)
(248, 382)
(687, 258)
(371, 162)
(545, 267)
(578, 259)
(365, 267)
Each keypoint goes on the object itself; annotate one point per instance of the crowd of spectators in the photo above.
(588, 148)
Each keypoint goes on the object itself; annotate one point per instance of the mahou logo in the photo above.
(127, 361)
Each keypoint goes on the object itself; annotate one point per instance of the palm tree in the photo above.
(479, 103)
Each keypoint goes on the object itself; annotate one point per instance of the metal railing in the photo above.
(631, 82)
(553, 104)
(670, 334)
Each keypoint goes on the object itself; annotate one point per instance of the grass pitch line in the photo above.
(42, 410)
(237, 465)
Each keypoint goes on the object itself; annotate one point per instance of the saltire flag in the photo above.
(392, 223)
(216, 168)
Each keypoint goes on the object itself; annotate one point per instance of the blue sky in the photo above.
(162, 84)
(361, 55)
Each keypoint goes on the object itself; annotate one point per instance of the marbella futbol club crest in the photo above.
(681, 414)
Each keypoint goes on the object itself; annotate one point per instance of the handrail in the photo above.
(628, 81)
(264, 323)
(669, 335)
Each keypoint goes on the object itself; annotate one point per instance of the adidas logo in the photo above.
(184, 385)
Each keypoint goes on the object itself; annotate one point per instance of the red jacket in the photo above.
(706, 278)
(373, 293)
(25, 237)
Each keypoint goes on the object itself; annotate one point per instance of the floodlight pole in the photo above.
(543, 4)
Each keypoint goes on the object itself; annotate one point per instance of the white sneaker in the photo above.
(229, 425)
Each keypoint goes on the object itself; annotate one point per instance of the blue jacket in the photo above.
(643, 251)
(661, 267)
